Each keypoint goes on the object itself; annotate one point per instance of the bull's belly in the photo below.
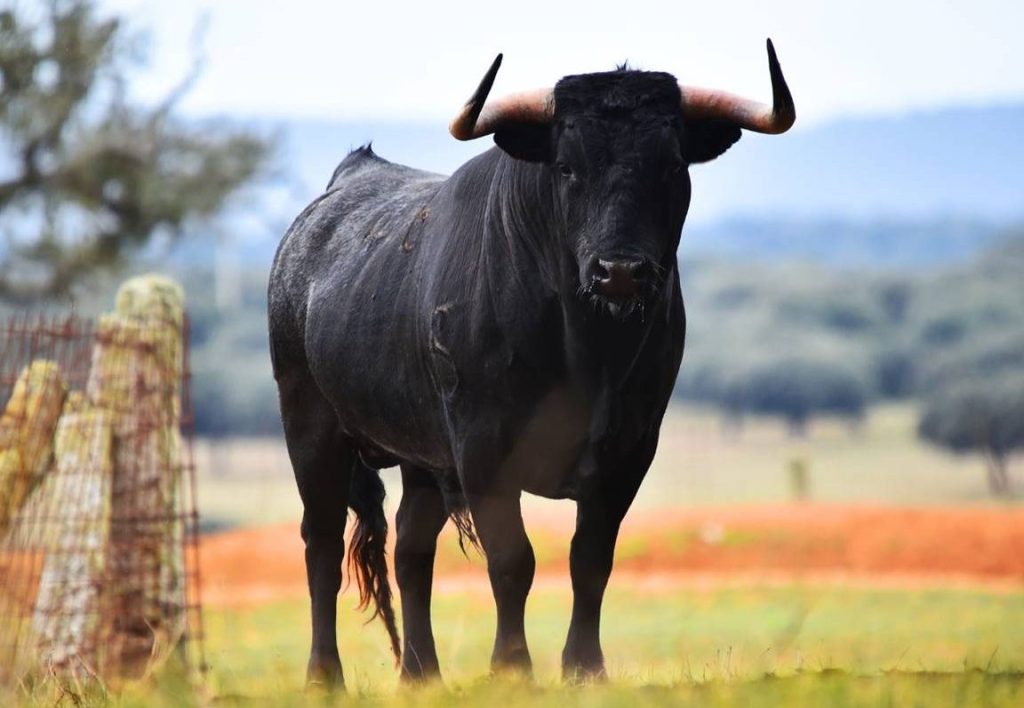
(391, 417)
(389, 435)
(543, 458)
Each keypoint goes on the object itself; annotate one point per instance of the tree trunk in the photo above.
(998, 478)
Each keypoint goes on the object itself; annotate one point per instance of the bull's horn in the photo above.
(774, 119)
(479, 118)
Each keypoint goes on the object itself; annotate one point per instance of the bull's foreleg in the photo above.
(421, 516)
(323, 463)
(510, 566)
(599, 512)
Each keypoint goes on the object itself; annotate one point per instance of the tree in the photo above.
(796, 390)
(86, 176)
(985, 415)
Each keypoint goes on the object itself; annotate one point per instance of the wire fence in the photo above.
(99, 572)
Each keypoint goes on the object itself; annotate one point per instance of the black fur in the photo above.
(623, 93)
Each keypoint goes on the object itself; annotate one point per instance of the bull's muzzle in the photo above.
(618, 279)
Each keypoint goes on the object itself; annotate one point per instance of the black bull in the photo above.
(515, 327)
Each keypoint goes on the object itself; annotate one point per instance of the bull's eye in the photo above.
(564, 169)
(674, 168)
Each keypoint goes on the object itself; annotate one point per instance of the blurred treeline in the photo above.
(797, 339)
(790, 339)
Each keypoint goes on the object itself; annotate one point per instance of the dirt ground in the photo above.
(874, 545)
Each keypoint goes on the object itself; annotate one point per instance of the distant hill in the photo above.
(889, 243)
(962, 162)
(917, 189)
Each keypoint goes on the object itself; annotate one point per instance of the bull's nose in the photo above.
(619, 278)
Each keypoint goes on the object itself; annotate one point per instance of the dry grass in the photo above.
(248, 481)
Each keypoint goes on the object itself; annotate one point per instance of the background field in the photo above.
(700, 461)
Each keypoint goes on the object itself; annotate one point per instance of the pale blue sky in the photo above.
(388, 60)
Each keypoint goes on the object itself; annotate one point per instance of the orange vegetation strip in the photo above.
(801, 541)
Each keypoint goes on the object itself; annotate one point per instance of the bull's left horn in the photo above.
(752, 115)
(479, 118)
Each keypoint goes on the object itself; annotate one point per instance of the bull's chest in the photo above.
(546, 448)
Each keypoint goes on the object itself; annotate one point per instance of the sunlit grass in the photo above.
(832, 688)
(715, 640)
(762, 645)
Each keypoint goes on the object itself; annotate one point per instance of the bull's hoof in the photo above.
(580, 667)
(580, 675)
(324, 674)
(418, 676)
(513, 664)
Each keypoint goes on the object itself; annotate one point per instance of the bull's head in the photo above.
(617, 146)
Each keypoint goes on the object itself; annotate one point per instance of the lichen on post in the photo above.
(136, 375)
(26, 433)
(67, 614)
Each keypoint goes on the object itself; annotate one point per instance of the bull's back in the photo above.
(344, 302)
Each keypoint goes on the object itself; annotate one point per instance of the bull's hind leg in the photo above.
(421, 516)
(510, 565)
(323, 463)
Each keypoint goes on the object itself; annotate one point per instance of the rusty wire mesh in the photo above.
(99, 572)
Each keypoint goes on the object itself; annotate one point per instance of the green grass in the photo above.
(663, 636)
(762, 645)
(829, 688)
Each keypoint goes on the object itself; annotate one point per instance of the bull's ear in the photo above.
(526, 141)
(705, 140)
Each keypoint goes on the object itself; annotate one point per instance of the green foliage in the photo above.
(94, 177)
(233, 387)
(979, 414)
(796, 390)
(992, 354)
(799, 340)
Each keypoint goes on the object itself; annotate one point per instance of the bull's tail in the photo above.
(367, 555)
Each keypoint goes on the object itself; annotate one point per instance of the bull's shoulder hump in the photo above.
(364, 164)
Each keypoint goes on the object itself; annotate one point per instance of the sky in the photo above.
(418, 61)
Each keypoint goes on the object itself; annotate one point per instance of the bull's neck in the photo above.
(525, 230)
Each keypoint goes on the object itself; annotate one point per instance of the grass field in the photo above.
(791, 645)
(668, 636)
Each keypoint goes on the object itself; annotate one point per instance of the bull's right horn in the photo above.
(479, 118)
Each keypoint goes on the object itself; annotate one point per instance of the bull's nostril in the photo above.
(618, 278)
